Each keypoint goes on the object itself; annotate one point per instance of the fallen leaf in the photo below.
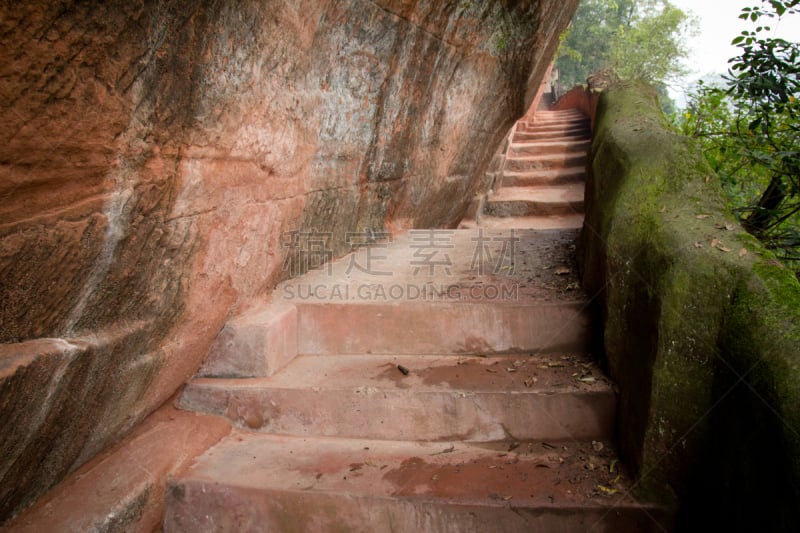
(664, 209)
(708, 178)
(714, 242)
(702, 216)
(742, 252)
(606, 490)
(698, 244)
(492, 370)
(730, 226)
(723, 249)
(562, 271)
(588, 379)
(597, 446)
(719, 225)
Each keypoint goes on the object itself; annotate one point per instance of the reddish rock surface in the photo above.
(123, 488)
(153, 157)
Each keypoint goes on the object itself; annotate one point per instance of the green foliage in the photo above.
(637, 39)
(750, 133)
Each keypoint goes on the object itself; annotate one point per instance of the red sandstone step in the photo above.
(555, 128)
(546, 147)
(527, 201)
(545, 161)
(548, 117)
(501, 302)
(257, 344)
(535, 178)
(253, 482)
(566, 135)
(428, 398)
(571, 221)
(552, 125)
(433, 328)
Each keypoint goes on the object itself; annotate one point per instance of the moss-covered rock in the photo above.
(701, 327)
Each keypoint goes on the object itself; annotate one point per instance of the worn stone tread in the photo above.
(367, 485)
(534, 178)
(548, 222)
(432, 398)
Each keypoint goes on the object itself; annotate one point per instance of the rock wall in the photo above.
(701, 327)
(164, 164)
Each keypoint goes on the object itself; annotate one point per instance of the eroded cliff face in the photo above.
(156, 156)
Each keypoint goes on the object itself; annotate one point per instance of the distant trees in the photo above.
(636, 39)
(750, 132)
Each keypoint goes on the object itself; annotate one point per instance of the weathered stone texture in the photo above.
(154, 154)
(701, 327)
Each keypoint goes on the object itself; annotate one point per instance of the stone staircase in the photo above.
(439, 381)
(541, 182)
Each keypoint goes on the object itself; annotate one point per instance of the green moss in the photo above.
(704, 341)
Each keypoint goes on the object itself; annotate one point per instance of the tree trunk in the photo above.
(765, 212)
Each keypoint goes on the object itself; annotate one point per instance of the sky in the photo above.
(710, 49)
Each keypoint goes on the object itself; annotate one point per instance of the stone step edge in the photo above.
(265, 339)
(558, 156)
(390, 414)
(252, 478)
(543, 178)
(406, 370)
(571, 221)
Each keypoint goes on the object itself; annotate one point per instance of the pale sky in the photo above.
(718, 25)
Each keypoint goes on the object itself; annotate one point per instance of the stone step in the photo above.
(553, 128)
(545, 117)
(534, 178)
(545, 162)
(553, 125)
(578, 134)
(546, 147)
(477, 328)
(569, 221)
(263, 482)
(556, 130)
(558, 112)
(527, 201)
(433, 398)
(488, 291)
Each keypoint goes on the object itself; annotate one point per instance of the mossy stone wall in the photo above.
(701, 327)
